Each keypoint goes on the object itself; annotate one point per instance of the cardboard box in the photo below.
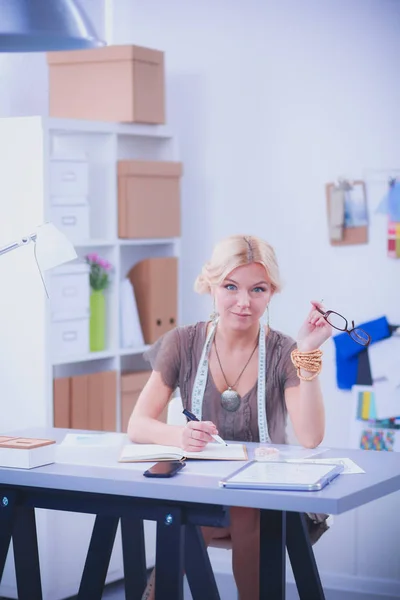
(26, 453)
(155, 283)
(113, 83)
(62, 402)
(132, 383)
(86, 401)
(149, 199)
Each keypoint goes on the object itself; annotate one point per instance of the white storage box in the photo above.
(69, 176)
(72, 220)
(70, 288)
(70, 335)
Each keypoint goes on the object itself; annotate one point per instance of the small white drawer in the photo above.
(70, 336)
(73, 221)
(69, 201)
(70, 289)
(69, 178)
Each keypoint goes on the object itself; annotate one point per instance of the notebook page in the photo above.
(220, 452)
(155, 452)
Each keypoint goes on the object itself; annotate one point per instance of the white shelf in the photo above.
(71, 359)
(125, 242)
(94, 243)
(80, 358)
(27, 144)
(102, 127)
(147, 241)
(133, 351)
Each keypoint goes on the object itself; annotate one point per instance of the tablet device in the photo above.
(281, 475)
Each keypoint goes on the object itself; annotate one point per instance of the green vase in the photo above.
(97, 321)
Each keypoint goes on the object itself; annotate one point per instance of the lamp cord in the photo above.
(40, 272)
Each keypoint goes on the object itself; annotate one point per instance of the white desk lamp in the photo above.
(52, 248)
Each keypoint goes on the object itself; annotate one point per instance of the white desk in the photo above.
(179, 505)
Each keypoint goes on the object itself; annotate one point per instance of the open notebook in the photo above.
(157, 452)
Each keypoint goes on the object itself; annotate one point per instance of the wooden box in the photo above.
(132, 383)
(113, 83)
(149, 199)
(155, 284)
(86, 401)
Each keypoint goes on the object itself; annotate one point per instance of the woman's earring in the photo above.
(214, 315)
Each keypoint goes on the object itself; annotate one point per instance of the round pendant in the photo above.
(230, 400)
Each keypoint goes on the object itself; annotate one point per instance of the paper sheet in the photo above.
(350, 467)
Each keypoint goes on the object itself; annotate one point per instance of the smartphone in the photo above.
(165, 468)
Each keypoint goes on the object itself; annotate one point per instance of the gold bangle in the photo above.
(313, 376)
(309, 361)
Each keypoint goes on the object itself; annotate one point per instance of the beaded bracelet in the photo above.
(309, 361)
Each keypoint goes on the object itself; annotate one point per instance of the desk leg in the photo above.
(7, 516)
(26, 554)
(198, 567)
(272, 554)
(302, 558)
(98, 558)
(169, 557)
(134, 556)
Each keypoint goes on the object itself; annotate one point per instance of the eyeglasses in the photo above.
(338, 322)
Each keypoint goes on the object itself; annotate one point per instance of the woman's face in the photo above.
(242, 298)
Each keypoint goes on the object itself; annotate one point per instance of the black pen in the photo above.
(193, 417)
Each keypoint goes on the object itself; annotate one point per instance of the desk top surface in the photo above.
(199, 481)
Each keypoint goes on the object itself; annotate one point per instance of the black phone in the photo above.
(165, 468)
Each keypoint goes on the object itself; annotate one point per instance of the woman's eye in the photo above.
(259, 289)
(230, 287)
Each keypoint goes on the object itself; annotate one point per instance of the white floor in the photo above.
(116, 592)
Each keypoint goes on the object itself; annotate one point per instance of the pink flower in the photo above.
(93, 257)
(104, 264)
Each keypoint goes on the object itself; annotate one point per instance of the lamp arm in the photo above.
(22, 242)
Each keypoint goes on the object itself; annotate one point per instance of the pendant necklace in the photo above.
(230, 399)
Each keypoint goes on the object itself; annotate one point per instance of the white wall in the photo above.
(270, 100)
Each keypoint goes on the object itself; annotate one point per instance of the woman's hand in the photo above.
(197, 434)
(314, 331)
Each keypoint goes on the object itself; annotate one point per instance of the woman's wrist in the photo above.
(304, 347)
(308, 363)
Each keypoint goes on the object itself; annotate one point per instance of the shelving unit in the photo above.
(27, 145)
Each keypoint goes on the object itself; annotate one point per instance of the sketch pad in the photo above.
(280, 475)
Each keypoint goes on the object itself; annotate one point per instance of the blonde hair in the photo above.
(236, 251)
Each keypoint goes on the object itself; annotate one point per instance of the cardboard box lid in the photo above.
(148, 168)
(106, 53)
(21, 443)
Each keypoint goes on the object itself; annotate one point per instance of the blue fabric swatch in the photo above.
(347, 351)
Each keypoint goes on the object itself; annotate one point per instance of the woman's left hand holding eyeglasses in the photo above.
(314, 331)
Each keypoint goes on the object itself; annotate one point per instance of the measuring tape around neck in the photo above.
(200, 382)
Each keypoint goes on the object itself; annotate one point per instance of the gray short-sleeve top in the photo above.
(176, 356)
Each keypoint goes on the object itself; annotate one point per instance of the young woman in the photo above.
(240, 378)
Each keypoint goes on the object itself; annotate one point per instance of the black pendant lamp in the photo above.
(45, 25)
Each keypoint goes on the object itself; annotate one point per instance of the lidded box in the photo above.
(149, 199)
(112, 83)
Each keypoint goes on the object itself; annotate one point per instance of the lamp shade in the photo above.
(45, 25)
(52, 247)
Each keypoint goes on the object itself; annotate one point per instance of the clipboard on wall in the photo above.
(347, 212)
